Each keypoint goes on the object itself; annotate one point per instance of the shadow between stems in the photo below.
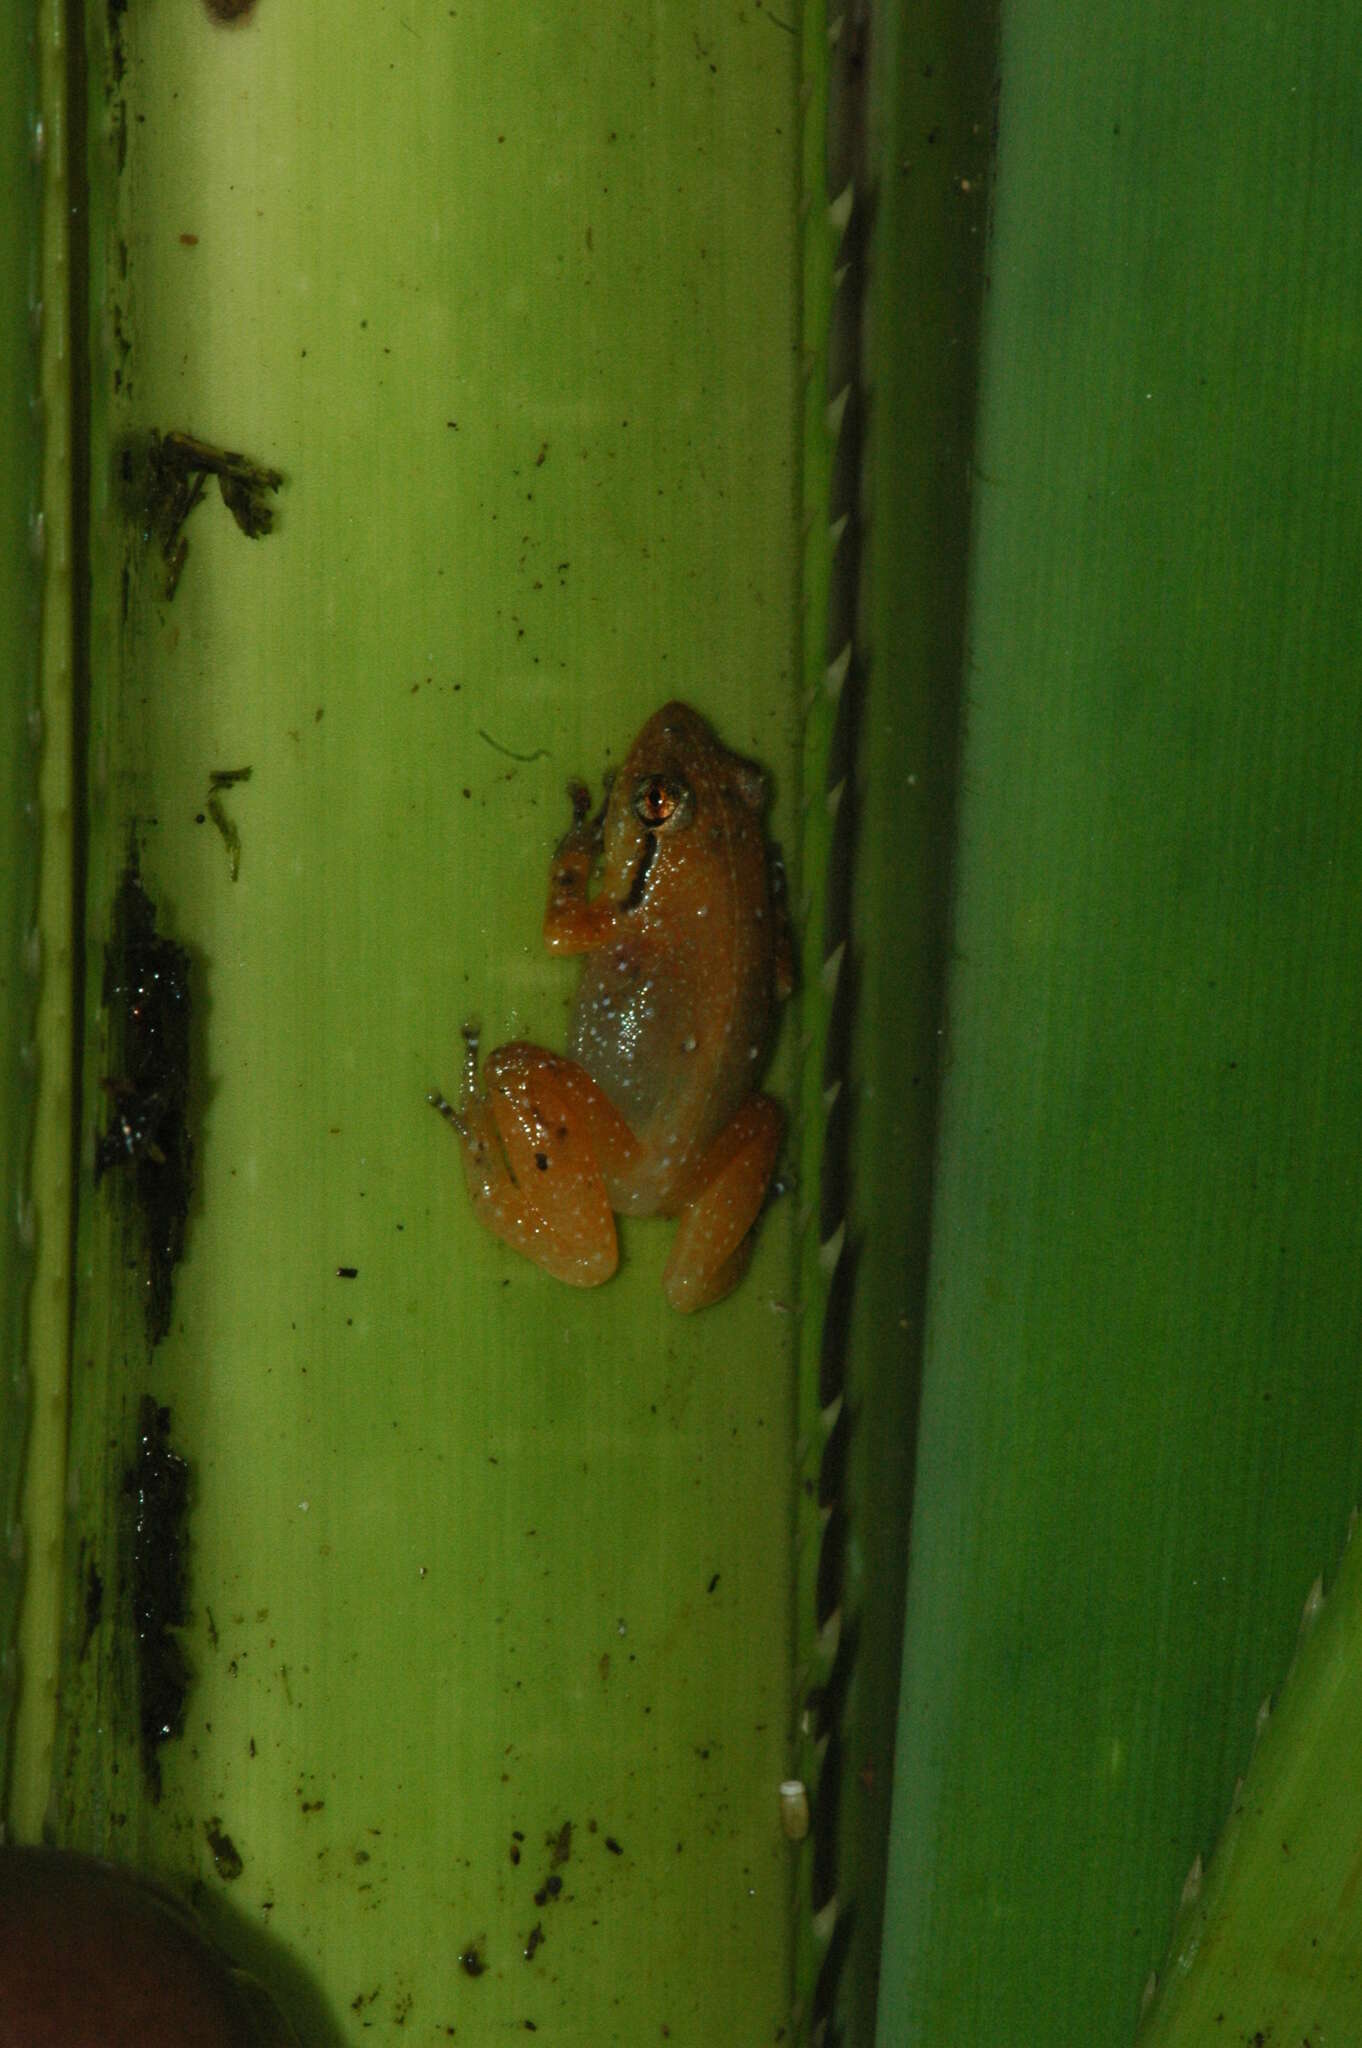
(911, 130)
(287, 1980)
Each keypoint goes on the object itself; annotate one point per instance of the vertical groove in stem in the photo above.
(52, 954)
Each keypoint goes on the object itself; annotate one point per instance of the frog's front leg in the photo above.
(538, 1139)
(573, 923)
(713, 1241)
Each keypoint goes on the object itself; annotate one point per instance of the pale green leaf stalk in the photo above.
(490, 1583)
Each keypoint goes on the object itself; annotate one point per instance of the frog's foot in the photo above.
(713, 1240)
(472, 1034)
(538, 1138)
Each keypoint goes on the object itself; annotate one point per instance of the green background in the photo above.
(962, 411)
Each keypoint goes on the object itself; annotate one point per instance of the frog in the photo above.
(655, 1108)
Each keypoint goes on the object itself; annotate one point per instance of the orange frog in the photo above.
(654, 1111)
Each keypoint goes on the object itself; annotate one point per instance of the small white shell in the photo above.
(794, 1809)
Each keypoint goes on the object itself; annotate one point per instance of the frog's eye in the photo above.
(662, 800)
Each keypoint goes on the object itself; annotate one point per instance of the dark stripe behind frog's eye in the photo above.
(645, 861)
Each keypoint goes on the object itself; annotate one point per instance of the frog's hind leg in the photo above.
(714, 1238)
(537, 1137)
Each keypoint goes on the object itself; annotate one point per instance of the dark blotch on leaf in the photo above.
(226, 1856)
(146, 991)
(157, 1484)
(166, 477)
(94, 1603)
